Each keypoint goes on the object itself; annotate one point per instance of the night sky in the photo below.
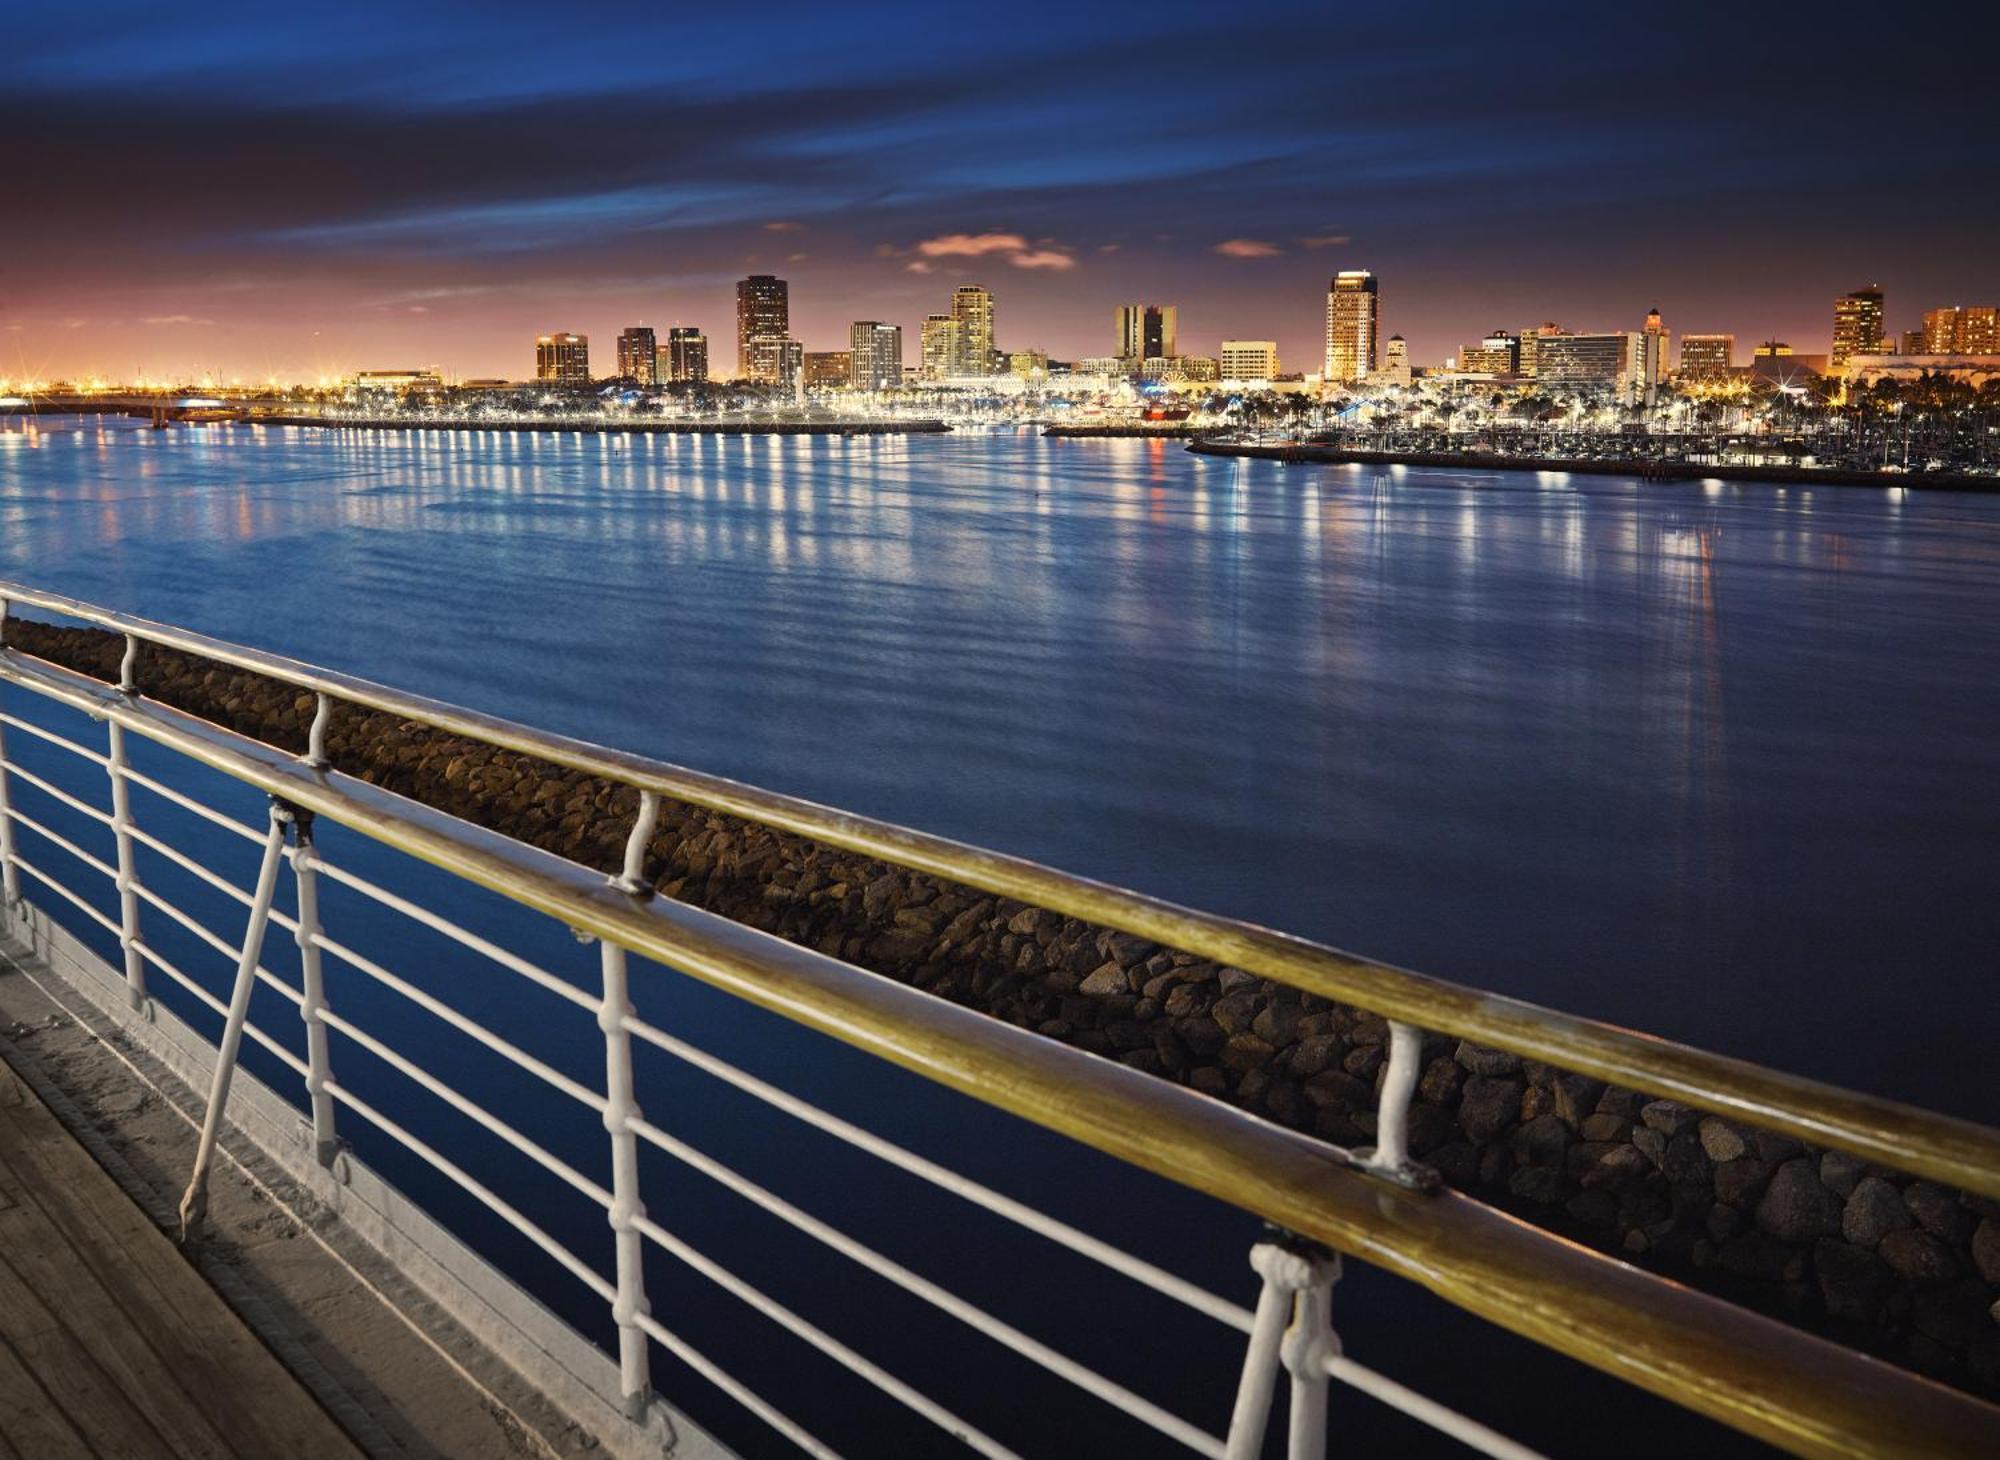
(291, 191)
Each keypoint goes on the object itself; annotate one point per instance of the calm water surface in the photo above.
(1718, 762)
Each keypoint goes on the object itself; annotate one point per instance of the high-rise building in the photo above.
(1351, 309)
(790, 363)
(1979, 330)
(1028, 363)
(941, 346)
(639, 355)
(763, 323)
(1913, 342)
(1707, 356)
(1498, 354)
(1395, 362)
(563, 358)
(1659, 345)
(828, 369)
(1857, 324)
(876, 356)
(1148, 332)
(1973, 330)
(972, 307)
(1531, 344)
(1624, 361)
(687, 355)
(1248, 360)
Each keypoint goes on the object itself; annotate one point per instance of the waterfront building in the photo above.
(1147, 332)
(1498, 354)
(1200, 369)
(763, 324)
(790, 363)
(687, 355)
(563, 359)
(1395, 363)
(1776, 360)
(877, 355)
(1621, 361)
(1957, 330)
(1248, 360)
(379, 381)
(972, 307)
(828, 369)
(1913, 342)
(1028, 362)
(1531, 344)
(1707, 356)
(1857, 324)
(1352, 307)
(940, 346)
(1105, 365)
(639, 355)
(1974, 370)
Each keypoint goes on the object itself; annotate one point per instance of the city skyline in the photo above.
(312, 199)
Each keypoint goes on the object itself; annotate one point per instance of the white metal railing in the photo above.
(1289, 1331)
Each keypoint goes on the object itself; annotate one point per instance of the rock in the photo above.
(1277, 1024)
(1686, 1163)
(1364, 1061)
(1108, 978)
(1621, 1166)
(1918, 1256)
(1986, 1250)
(1245, 1052)
(1853, 1282)
(1234, 1012)
(1651, 1142)
(1796, 1207)
(1487, 1107)
(1234, 980)
(1310, 1056)
(1593, 1208)
(1721, 1140)
(1738, 1182)
(1604, 1126)
(1874, 1211)
(1336, 1089)
(1481, 1060)
(1201, 1034)
(1955, 1316)
(1668, 1117)
(1840, 1172)
(1537, 1184)
(1754, 1255)
(1576, 1098)
(1429, 1128)
(1937, 1211)
(1543, 1141)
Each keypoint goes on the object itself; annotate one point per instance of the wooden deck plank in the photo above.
(143, 1328)
(30, 1423)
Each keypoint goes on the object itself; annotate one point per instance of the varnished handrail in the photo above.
(1757, 1375)
(1957, 1152)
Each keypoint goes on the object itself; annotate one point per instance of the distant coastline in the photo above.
(619, 428)
(1651, 470)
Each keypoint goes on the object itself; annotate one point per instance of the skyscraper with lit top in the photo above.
(1351, 316)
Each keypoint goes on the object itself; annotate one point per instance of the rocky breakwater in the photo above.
(1901, 1267)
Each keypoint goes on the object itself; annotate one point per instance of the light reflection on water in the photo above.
(1715, 761)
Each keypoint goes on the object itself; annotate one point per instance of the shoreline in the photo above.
(924, 427)
(1652, 471)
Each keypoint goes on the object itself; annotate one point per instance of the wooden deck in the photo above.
(110, 1343)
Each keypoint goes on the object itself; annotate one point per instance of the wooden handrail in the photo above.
(1802, 1393)
(1959, 1153)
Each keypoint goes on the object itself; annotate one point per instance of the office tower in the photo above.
(1351, 306)
(1248, 360)
(1857, 324)
(788, 359)
(972, 307)
(877, 355)
(828, 369)
(639, 355)
(1147, 332)
(1531, 344)
(1659, 345)
(1707, 356)
(763, 323)
(1913, 343)
(1940, 331)
(1498, 354)
(1979, 330)
(941, 346)
(687, 355)
(1028, 363)
(563, 358)
(1622, 360)
(1395, 362)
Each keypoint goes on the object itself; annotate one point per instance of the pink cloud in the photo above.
(1042, 258)
(1247, 248)
(1324, 240)
(783, 225)
(917, 266)
(971, 245)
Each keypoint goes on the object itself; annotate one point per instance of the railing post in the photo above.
(1293, 1327)
(1390, 1157)
(10, 876)
(312, 988)
(194, 1202)
(128, 872)
(620, 1110)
